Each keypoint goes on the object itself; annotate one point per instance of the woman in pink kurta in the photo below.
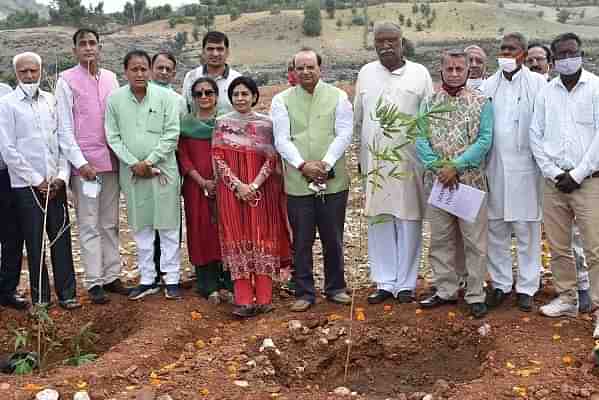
(195, 162)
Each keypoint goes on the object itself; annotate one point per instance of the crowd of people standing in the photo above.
(257, 188)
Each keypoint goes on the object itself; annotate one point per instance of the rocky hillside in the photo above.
(10, 6)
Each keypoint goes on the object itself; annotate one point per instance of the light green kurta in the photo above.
(146, 131)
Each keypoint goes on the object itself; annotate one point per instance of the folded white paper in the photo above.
(90, 188)
(464, 202)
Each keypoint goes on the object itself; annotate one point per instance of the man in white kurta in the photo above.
(514, 179)
(393, 242)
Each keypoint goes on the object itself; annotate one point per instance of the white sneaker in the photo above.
(596, 331)
(559, 308)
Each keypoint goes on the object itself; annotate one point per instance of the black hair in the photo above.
(80, 32)
(167, 54)
(562, 38)
(215, 37)
(542, 46)
(136, 53)
(318, 57)
(203, 79)
(247, 82)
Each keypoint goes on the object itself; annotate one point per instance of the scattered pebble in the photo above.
(342, 391)
(266, 344)
(81, 396)
(242, 384)
(484, 330)
(47, 394)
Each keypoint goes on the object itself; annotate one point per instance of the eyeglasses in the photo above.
(201, 93)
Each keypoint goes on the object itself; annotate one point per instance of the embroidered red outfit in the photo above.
(254, 235)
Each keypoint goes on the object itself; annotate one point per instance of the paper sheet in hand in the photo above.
(463, 202)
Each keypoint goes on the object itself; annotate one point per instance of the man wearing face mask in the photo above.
(540, 60)
(81, 94)
(463, 137)
(513, 177)
(478, 66)
(38, 172)
(396, 209)
(565, 143)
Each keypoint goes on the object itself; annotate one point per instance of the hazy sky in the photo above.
(117, 5)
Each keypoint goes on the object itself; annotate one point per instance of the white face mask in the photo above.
(474, 83)
(507, 64)
(568, 66)
(30, 89)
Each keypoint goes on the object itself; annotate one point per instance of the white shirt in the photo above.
(29, 140)
(563, 134)
(4, 90)
(224, 105)
(282, 132)
(405, 87)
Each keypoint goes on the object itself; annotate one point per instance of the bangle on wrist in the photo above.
(253, 187)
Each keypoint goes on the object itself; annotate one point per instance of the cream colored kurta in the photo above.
(405, 87)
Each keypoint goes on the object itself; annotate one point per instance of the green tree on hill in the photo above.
(22, 19)
(415, 8)
(563, 16)
(312, 21)
(66, 12)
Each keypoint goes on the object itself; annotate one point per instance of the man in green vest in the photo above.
(312, 125)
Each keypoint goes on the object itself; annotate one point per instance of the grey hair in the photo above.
(386, 26)
(455, 53)
(475, 47)
(27, 54)
(519, 37)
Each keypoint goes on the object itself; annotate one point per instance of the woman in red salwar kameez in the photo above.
(253, 228)
(199, 192)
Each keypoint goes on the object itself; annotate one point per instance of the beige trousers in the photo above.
(98, 220)
(443, 253)
(559, 211)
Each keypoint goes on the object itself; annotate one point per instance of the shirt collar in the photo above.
(398, 71)
(584, 78)
(22, 96)
(225, 74)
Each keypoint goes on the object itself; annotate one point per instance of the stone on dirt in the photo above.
(342, 391)
(294, 325)
(164, 397)
(417, 396)
(47, 394)
(81, 396)
(145, 393)
(242, 384)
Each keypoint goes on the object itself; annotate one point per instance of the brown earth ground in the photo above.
(189, 349)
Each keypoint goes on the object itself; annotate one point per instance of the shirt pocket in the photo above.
(583, 114)
(155, 123)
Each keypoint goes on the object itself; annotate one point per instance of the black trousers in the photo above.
(306, 214)
(31, 219)
(11, 239)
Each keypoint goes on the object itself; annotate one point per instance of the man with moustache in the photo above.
(142, 128)
(461, 138)
(215, 51)
(565, 144)
(539, 60)
(312, 126)
(38, 172)
(514, 179)
(478, 66)
(396, 208)
(81, 94)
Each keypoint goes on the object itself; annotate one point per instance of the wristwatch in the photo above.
(253, 187)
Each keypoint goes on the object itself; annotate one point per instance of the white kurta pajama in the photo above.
(515, 183)
(394, 244)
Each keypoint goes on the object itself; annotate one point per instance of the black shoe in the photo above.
(435, 301)
(524, 302)
(98, 295)
(478, 310)
(69, 304)
(117, 287)
(405, 297)
(14, 301)
(584, 301)
(264, 308)
(379, 296)
(495, 297)
(244, 311)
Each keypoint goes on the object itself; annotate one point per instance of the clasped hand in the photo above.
(565, 183)
(316, 171)
(448, 176)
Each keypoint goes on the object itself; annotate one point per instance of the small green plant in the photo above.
(26, 361)
(409, 22)
(358, 20)
(339, 23)
(419, 27)
(47, 335)
(401, 18)
(84, 340)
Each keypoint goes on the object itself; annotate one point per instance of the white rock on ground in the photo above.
(47, 394)
(81, 396)
(342, 391)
